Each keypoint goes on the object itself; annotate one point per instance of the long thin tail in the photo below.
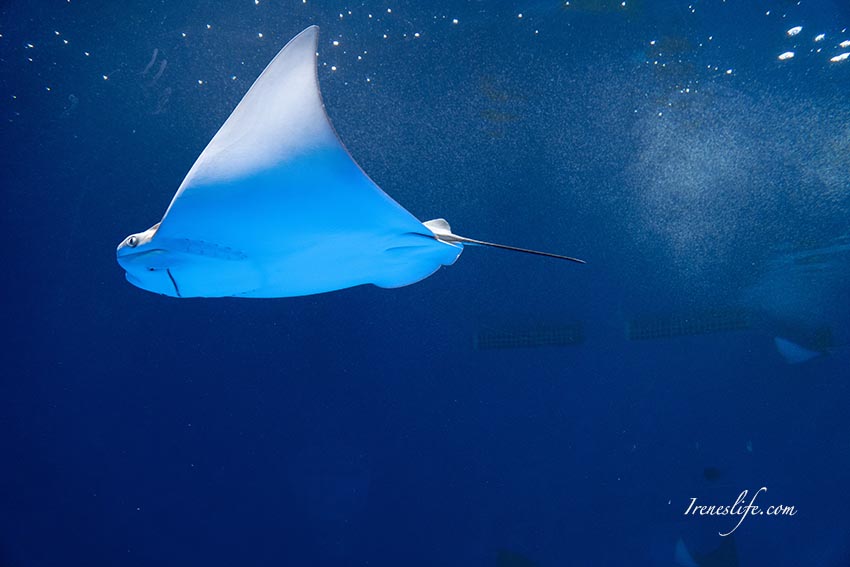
(515, 249)
(443, 231)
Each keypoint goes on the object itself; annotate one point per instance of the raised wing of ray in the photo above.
(276, 168)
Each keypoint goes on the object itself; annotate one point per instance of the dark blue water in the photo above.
(704, 180)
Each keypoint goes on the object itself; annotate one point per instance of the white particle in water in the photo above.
(454, 21)
(845, 43)
(786, 55)
(841, 57)
(820, 37)
(794, 31)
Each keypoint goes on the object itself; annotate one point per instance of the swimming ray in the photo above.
(276, 207)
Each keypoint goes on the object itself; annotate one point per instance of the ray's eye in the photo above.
(133, 241)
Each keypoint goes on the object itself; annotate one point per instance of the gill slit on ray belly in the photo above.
(173, 282)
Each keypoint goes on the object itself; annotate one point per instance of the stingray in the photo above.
(794, 353)
(276, 207)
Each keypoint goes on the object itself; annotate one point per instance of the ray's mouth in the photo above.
(136, 281)
(133, 279)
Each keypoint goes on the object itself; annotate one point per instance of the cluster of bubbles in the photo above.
(336, 54)
(818, 43)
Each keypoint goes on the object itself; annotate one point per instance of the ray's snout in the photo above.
(137, 256)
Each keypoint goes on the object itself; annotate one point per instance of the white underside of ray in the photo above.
(275, 206)
(794, 353)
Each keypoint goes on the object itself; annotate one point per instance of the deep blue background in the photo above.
(362, 427)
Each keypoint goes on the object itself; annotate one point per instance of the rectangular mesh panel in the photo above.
(679, 325)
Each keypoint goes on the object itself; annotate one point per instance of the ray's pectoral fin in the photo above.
(443, 232)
